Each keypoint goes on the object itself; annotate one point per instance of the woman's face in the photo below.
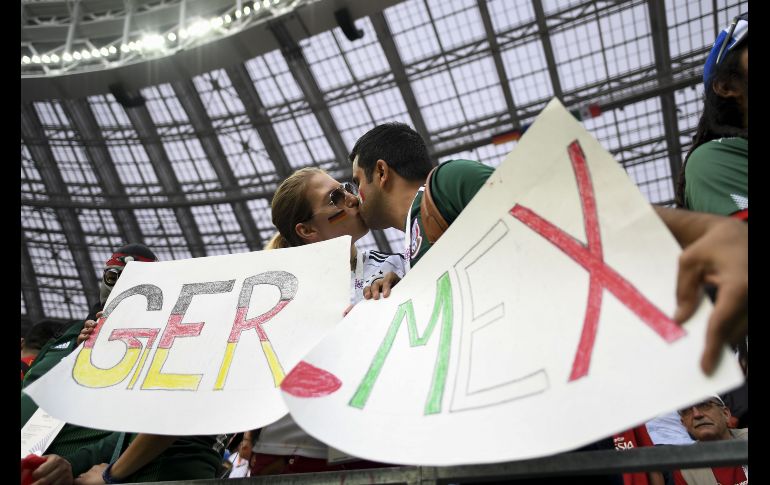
(330, 221)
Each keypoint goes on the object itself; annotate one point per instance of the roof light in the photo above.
(36, 59)
(46, 59)
(112, 49)
(85, 54)
(26, 60)
(103, 51)
(228, 19)
(96, 53)
(265, 3)
(76, 55)
(124, 48)
(54, 58)
(246, 10)
(67, 57)
(238, 13)
(171, 37)
(183, 33)
(256, 6)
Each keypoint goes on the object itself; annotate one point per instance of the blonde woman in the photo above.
(310, 206)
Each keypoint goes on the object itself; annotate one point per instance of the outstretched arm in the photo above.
(715, 251)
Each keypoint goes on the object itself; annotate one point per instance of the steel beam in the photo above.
(79, 112)
(188, 97)
(629, 98)
(29, 286)
(255, 110)
(140, 119)
(545, 38)
(495, 53)
(399, 73)
(300, 69)
(74, 22)
(37, 143)
(659, 31)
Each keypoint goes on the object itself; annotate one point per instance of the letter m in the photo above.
(442, 306)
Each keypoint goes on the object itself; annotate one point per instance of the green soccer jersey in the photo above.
(717, 177)
(452, 186)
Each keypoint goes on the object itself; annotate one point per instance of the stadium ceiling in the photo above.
(171, 122)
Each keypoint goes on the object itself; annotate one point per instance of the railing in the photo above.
(702, 455)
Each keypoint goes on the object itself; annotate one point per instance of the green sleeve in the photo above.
(92, 454)
(716, 177)
(455, 183)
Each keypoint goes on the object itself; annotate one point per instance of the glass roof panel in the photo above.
(162, 233)
(247, 156)
(326, 61)
(217, 94)
(527, 72)
(102, 236)
(61, 291)
(32, 186)
(458, 22)
(437, 98)
(510, 14)
(260, 211)
(272, 79)
(627, 40)
(220, 230)
(412, 31)
(690, 26)
(128, 155)
(578, 56)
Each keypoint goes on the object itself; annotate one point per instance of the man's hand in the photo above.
(381, 286)
(719, 257)
(55, 471)
(88, 329)
(92, 476)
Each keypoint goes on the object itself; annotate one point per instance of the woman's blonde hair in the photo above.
(290, 207)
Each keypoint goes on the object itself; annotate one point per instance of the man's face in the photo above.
(706, 421)
(370, 196)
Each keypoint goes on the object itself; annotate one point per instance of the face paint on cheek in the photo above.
(341, 215)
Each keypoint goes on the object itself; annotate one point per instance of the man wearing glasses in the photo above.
(707, 421)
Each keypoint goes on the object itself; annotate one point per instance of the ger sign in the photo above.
(180, 342)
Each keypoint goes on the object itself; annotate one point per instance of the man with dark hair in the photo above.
(390, 166)
(34, 340)
(707, 421)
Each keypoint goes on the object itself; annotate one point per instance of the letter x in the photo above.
(602, 276)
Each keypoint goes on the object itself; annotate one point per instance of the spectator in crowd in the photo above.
(115, 457)
(241, 459)
(70, 450)
(34, 340)
(391, 166)
(707, 421)
(715, 174)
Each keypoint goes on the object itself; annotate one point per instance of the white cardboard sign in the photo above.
(199, 346)
(538, 323)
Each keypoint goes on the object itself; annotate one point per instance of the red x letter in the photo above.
(591, 258)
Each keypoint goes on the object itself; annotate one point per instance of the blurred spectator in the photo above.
(34, 340)
(707, 421)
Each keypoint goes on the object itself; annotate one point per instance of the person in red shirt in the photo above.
(34, 340)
